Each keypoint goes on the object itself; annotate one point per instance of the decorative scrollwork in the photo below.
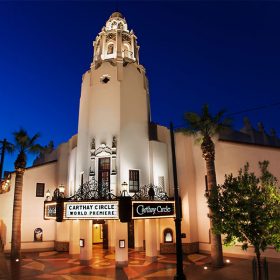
(91, 190)
(150, 192)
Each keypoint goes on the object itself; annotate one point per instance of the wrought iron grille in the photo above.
(91, 190)
(150, 192)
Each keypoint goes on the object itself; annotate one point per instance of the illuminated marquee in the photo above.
(91, 210)
(153, 209)
(50, 210)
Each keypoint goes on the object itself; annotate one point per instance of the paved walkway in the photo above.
(58, 266)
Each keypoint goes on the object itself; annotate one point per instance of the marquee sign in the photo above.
(153, 209)
(91, 210)
(50, 211)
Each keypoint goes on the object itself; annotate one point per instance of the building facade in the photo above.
(119, 151)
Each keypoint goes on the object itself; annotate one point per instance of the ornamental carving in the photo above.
(92, 145)
(114, 142)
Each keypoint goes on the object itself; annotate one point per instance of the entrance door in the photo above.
(105, 236)
(103, 176)
(130, 231)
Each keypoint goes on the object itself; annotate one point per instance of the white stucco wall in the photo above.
(32, 208)
(230, 157)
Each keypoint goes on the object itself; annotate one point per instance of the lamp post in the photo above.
(61, 190)
(124, 189)
(179, 252)
(48, 196)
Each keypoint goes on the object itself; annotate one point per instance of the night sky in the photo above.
(226, 54)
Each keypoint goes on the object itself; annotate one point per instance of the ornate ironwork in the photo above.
(150, 192)
(91, 190)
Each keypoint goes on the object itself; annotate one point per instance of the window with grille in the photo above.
(133, 180)
(40, 190)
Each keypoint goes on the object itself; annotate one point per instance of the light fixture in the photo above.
(48, 195)
(227, 261)
(17, 260)
(124, 188)
(205, 267)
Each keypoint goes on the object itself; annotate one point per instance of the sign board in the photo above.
(153, 209)
(91, 210)
(50, 210)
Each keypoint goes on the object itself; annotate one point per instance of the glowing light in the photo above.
(205, 267)
(228, 261)
(17, 260)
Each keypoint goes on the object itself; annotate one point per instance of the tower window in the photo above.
(105, 79)
(133, 180)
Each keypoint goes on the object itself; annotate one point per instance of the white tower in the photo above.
(113, 141)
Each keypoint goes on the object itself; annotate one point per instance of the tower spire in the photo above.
(115, 41)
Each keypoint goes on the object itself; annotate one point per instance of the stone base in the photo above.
(170, 248)
(74, 256)
(86, 262)
(61, 246)
(139, 248)
(151, 259)
(120, 264)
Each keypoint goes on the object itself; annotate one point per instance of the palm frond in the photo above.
(205, 123)
(35, 149)
(33, 139)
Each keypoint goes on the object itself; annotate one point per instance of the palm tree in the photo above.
(205, 126)
(5, 147)
(24, 144)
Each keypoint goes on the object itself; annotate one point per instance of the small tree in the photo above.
(246, 209)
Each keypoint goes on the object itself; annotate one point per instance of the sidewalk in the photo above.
(58, 266)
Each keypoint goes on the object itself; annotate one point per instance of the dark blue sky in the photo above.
(226, 54)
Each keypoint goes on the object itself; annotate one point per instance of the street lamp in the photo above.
(179, 252)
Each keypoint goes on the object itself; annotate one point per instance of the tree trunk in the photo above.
(216, 241)
(16, 225)
(259, 265)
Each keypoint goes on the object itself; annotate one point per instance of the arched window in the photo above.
(126, 51)
(110, 49)
(120, 25)
(38, 235)
(168, 235)
(114, 25)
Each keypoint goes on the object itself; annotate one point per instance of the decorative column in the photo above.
(92, 160)
(139, 234)
(74, 244)
(158, 235)
(62, 236)
(86, 235)
(114, 166)
(151, 240)
(112, 238)
(121, 244)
